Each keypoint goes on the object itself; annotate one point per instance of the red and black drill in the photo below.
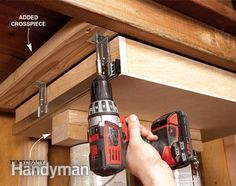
(108, 132)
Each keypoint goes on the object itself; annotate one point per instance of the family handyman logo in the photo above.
(42, 168)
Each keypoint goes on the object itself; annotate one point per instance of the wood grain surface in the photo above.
(151, 22)
(66, 48)
(152, 82)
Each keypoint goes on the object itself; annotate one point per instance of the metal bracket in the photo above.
(114, 69)
(43, 105)
(104, 64)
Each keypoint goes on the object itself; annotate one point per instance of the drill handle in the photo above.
(125, 132)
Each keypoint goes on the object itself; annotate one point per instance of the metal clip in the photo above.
(103, 62)
(43, 105)
(114, 69)
(102, 54)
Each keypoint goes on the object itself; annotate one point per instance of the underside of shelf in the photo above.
(152, 82)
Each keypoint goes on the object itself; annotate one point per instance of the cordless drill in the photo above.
(108, 132)
(107, 151)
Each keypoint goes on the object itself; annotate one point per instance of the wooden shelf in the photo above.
(152, 82)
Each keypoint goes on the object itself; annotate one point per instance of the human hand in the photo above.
(143, 160)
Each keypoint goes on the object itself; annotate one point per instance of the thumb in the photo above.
(134, 128)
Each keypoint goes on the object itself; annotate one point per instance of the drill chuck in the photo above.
(101, 99)
(101, 89)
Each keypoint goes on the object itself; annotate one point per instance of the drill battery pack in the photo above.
(174, 140)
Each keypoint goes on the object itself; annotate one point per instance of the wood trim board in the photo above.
(152, 82)
(151, 22)
(211, 12)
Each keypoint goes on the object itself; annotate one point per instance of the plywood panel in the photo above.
(214, 166)
(156, 65)
(230, 153)
(39, 152)
(59, 156)
(17, 148)
(9, 152)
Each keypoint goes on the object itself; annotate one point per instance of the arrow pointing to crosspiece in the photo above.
(44, 136)
(29, 45)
